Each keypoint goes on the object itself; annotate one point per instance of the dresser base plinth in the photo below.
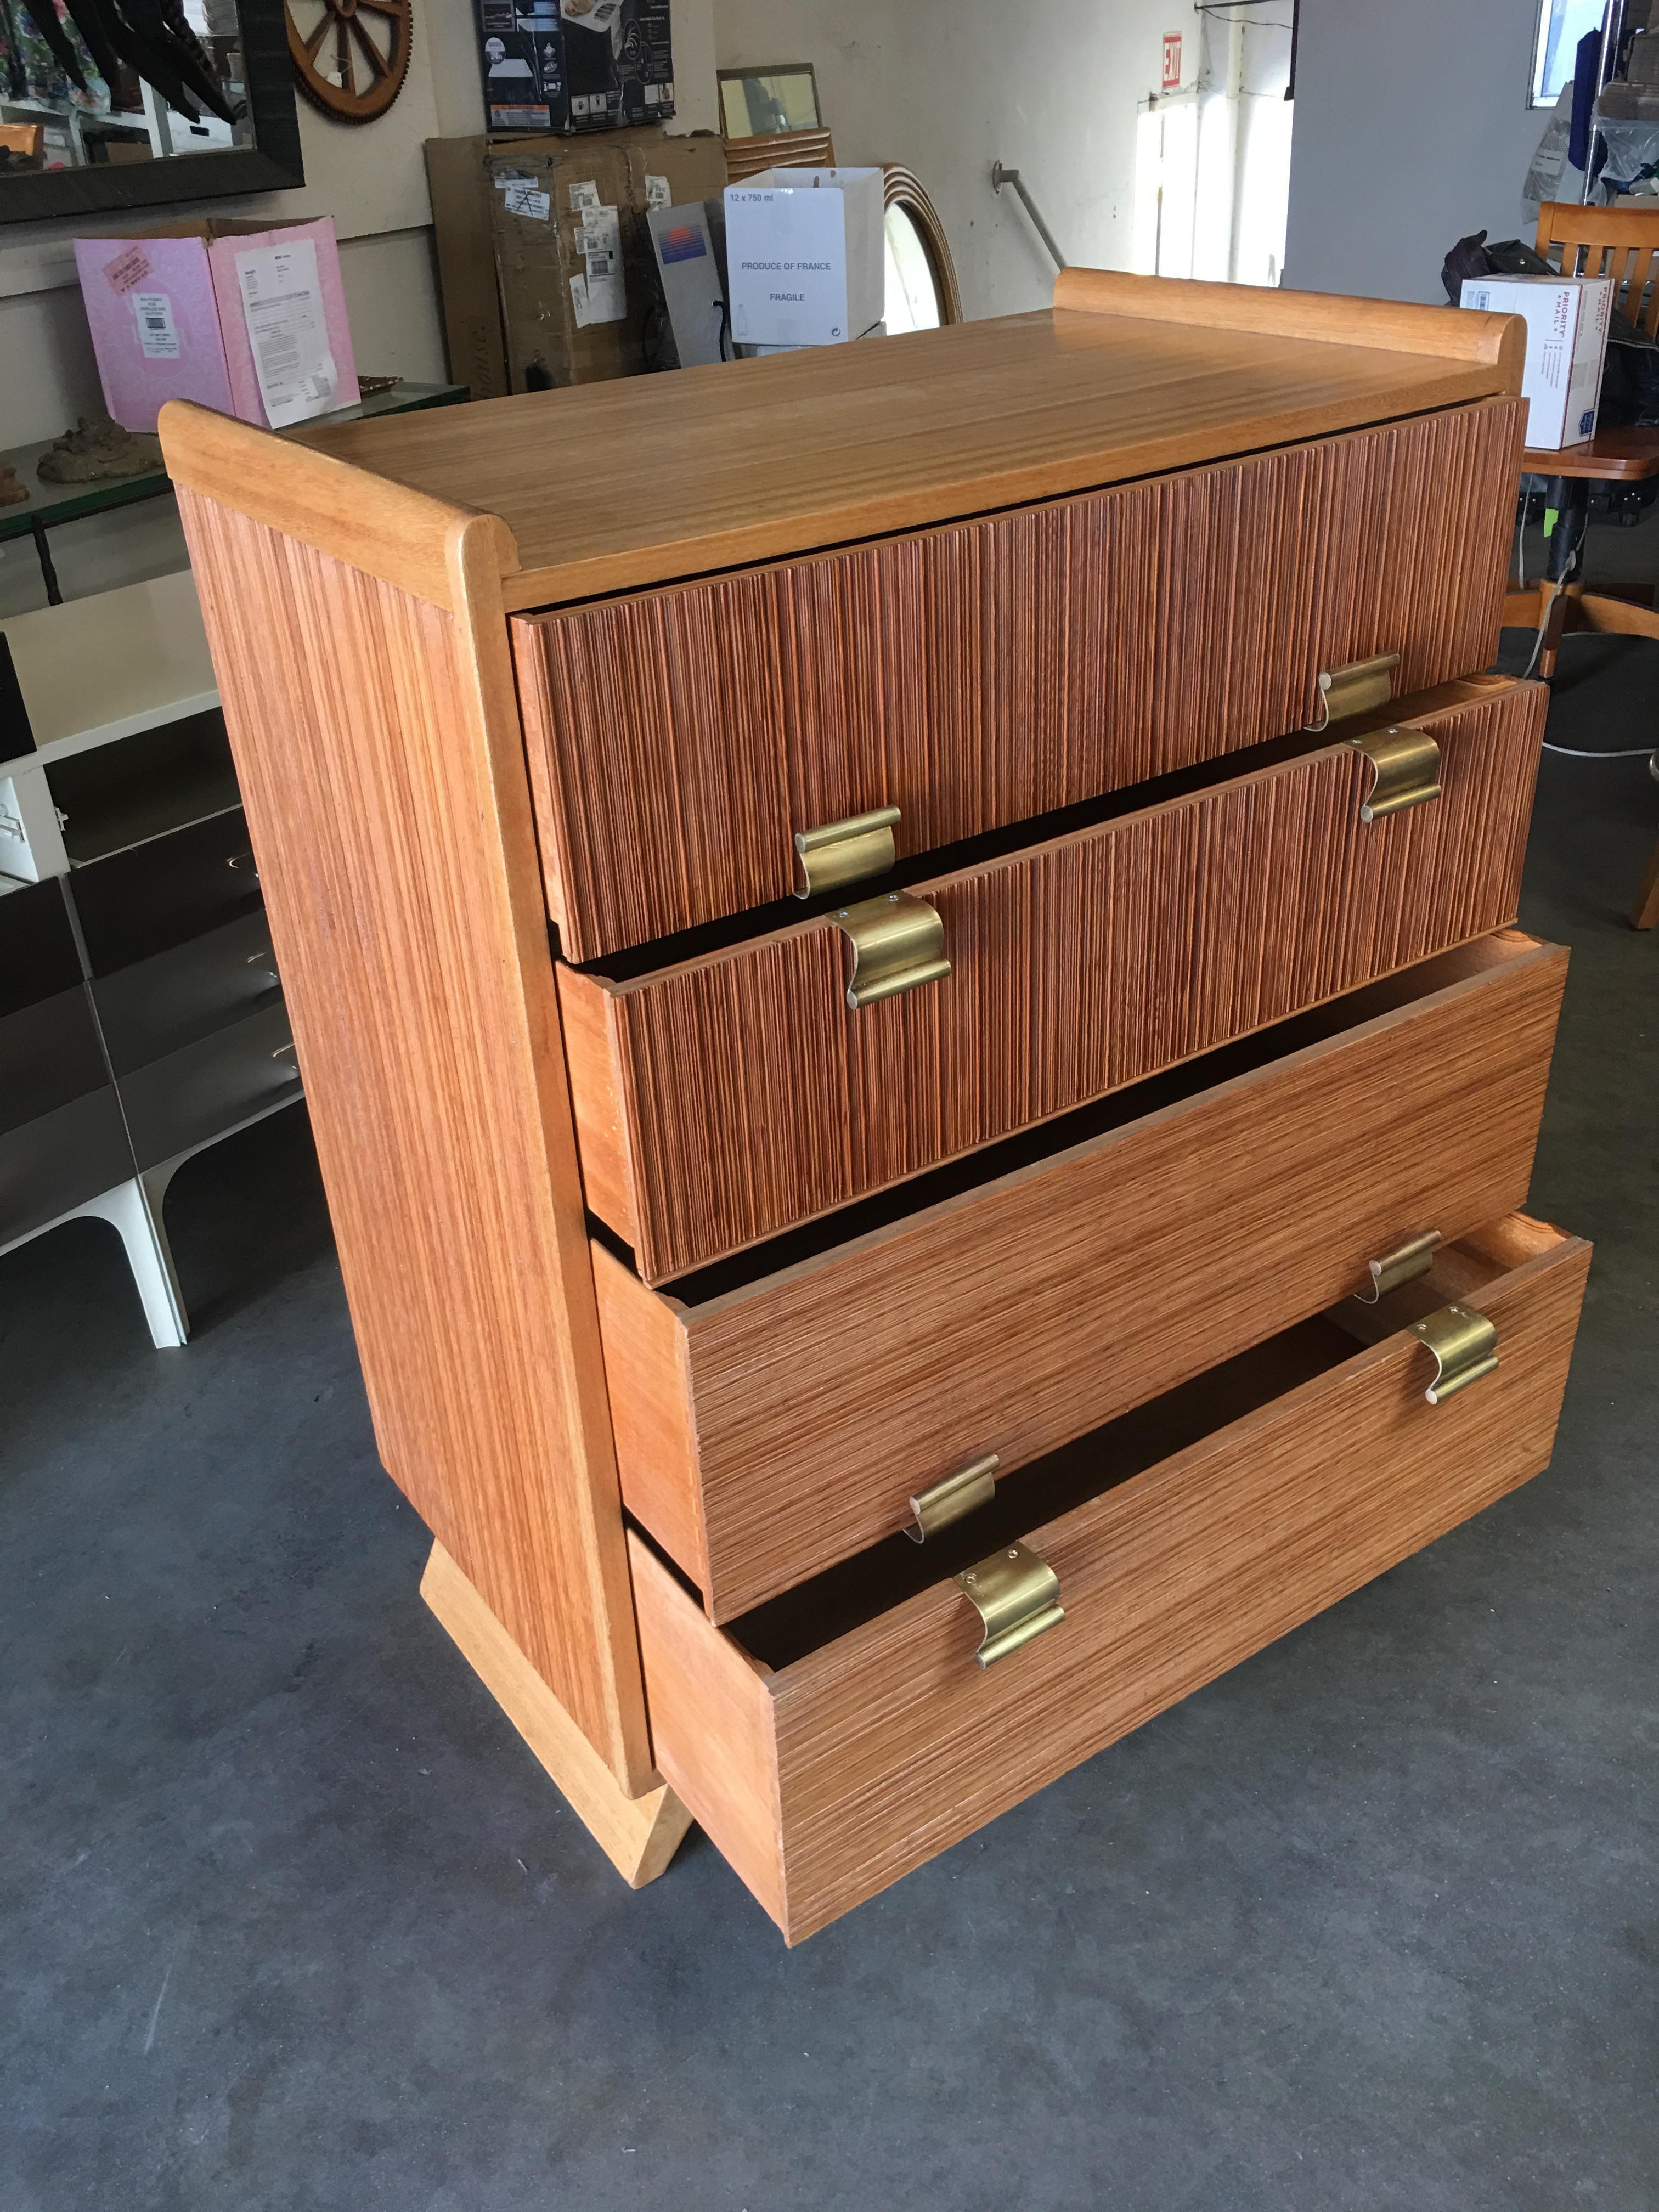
(638, 1835)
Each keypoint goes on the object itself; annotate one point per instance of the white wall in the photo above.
(1411, 130)
(1049, 86)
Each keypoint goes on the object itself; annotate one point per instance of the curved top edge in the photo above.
(1388, 326)
(387, 529)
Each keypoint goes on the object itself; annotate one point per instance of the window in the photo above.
(1561, 24)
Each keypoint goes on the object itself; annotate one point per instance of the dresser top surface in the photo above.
(612, 486)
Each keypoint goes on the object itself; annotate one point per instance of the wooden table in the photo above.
(1629, 455)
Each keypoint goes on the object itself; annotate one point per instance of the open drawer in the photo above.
(996, 668)
(723, 1098)
(837, 1738)
(783, 1410)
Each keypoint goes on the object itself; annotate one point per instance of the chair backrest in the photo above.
(783, 149)
(1621, 242)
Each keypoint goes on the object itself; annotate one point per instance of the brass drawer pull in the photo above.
(1465, 1347)
(963, 1493)
(838, 853)
(897, 942)
(1358, 689)
(1017, 1596)
(1403, 1265)
(1405, 771)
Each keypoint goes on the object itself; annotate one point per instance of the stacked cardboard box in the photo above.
(544, 255)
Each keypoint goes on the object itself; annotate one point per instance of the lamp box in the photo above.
(805, 255)
(573, 65)
(1566, 319)
(245, 317)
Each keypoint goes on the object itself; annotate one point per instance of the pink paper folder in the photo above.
(166, 314)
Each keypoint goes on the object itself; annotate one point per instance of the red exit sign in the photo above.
(1171, 62)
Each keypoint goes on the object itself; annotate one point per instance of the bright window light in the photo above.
(1561, 24)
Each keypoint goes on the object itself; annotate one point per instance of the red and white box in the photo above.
(1566, 319)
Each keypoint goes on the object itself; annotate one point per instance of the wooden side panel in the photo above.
(711, 1720)
(386, 799)
(645, 1363)
(1020, 1315)
(753, 1097)
(891, 1745)
(983, 673)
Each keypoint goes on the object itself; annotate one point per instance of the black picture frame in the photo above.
(272, 164)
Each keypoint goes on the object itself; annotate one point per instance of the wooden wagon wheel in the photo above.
(349, 41)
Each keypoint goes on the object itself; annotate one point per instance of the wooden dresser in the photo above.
(903, 961)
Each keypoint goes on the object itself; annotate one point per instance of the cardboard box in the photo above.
(1566, 319)
(765, 352)
(175, 314)
(514, 228)
(574, 65)
(805, 259)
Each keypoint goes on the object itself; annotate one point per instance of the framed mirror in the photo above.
(920, 291)
(108, 105)
(760, 102)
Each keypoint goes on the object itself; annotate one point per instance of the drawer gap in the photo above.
(788, 1628)
(723, 1277)
(731, 930)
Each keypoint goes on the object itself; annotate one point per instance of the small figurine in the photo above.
(13, 490)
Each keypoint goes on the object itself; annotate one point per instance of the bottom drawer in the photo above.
(838, 1737)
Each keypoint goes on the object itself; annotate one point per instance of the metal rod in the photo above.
(999, 177)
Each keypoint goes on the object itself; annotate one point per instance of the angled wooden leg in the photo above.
(638, 1835)
(1645, 912)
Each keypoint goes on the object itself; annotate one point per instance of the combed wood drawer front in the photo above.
(771, 1424)
(996, 669)
(727, 1097)
(826, 1759)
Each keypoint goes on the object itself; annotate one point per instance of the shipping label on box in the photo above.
(805, 255)
(1567, 319)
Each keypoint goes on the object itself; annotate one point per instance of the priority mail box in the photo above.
(1566, 319)
(805, 253)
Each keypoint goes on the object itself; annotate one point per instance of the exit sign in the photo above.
(1172, 61)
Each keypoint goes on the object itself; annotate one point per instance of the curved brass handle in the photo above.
(838, 853)
(1017, 1596)
(1465, 1347)
(1405, 771)
(1403, 1265)
(898, 942)
(947, 1502)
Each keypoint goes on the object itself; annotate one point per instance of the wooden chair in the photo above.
(780, 149)
(1622, 243)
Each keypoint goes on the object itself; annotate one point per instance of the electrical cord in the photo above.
(1632, 752)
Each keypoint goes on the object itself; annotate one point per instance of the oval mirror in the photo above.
(921, 291)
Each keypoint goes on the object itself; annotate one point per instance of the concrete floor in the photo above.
(293, 1920)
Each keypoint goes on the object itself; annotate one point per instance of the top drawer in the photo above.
(994, 669)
